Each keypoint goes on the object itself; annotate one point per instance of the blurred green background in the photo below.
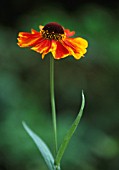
(24, 86)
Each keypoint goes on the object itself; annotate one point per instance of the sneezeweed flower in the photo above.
(55, 39)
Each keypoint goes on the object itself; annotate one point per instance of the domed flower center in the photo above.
(53, 31)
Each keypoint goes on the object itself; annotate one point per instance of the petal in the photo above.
(59, 51)
(76, 46)
(43, 47)
(76, 42)
(26, 39)
(34, 31)
(69, 33)
(41, 27)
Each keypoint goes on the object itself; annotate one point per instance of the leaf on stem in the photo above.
(69, 133)
(43, 148)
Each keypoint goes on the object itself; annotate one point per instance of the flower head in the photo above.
(55, 39)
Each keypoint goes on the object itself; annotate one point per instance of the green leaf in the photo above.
(44, 150)
(69, 133)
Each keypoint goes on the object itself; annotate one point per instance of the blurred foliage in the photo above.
(24, 92)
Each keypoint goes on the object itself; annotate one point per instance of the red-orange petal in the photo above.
(69, 33)
(76, 46)
(26, 39)
(43, 47)
(59, 51)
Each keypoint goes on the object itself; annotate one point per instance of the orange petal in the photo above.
(34, 31)
(59, 51)
(26, 39)
(43, 47)
(76, 46)
(41, 27)
(69, 33)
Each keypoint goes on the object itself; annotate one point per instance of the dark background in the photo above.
(24, 85)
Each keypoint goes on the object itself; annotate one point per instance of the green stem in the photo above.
(53, 101)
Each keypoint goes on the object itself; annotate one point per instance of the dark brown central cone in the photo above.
(53, 27)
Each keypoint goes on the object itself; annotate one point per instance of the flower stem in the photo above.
(53, 102)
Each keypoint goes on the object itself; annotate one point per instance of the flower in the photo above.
(55, 39)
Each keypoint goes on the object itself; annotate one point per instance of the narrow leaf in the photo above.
(69, 133)
(44, 150)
